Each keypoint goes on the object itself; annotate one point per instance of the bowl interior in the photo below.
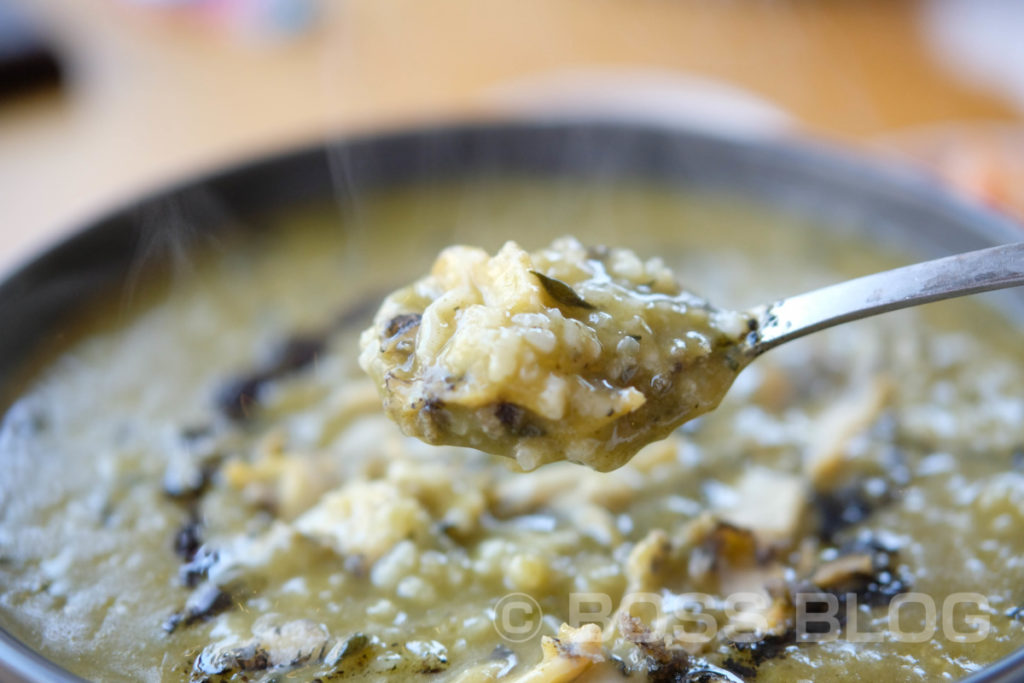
(904, 211)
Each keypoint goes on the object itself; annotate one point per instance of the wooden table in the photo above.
(153, 97)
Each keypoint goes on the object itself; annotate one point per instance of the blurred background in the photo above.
(101, 100)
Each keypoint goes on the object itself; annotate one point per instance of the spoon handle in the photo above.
(944, 278)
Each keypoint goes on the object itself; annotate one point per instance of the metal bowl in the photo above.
(896, 206)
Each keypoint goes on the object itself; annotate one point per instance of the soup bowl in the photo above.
(550, 177)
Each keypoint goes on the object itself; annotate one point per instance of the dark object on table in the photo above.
(27, 62)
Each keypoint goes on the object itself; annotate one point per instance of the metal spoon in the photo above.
(944, 278)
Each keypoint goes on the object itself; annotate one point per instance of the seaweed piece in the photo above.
(738, 668)
(663, 664)
(212, 662)
(852, 503)
(561, 292)
(770, 647)
(406, 660)
(198, 566)
(172, 622)
(238, 398)
(296, 353)
(191, 465)
(866, 569)
(396, 334)
(840, 509)
(434, 411)
(207, 601)
(517, 420)
(187, 539)
(401, 324)
(886, 581)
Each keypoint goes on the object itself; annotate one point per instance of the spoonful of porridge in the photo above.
(588, 354)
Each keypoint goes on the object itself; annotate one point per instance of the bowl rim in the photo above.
(24, 663)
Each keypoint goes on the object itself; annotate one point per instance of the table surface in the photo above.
(154, 95)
